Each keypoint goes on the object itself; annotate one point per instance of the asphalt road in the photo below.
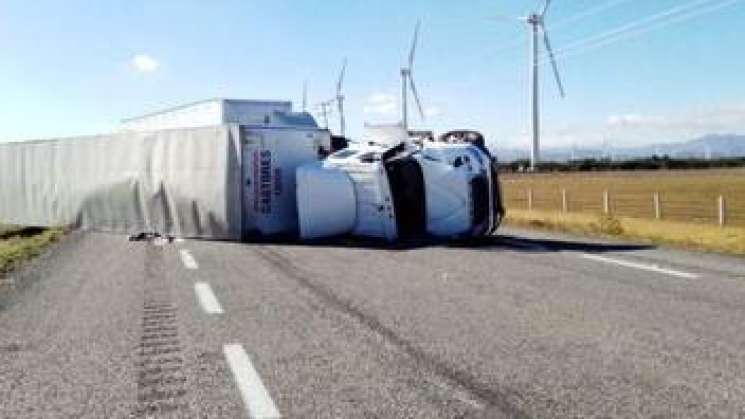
(520, 325)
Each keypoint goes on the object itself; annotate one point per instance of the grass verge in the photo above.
(686, 235)
(21, 244)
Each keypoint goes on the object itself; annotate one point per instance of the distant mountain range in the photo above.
(709, 146)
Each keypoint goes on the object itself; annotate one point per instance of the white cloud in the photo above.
(638, 129)
(690, 124)
(144, 63)
(381, 104)
(635, 120)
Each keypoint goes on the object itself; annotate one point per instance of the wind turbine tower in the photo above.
(537, 28)
(340, 98)
(325, 110)
(407, 82)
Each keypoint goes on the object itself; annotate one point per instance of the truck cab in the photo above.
(390, 187)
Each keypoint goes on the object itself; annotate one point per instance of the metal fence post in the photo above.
(530, 199)
(606, 202)
(657, 208)
(564, 203)
(722, 211)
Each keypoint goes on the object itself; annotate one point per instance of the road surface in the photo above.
(520, 325)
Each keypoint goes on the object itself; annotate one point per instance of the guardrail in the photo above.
(722, 210)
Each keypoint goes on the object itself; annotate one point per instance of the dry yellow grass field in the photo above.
(689, 196)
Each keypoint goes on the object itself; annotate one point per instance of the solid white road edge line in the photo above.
(207, 298)
(188, 260)
(255, 396)
(651, 268)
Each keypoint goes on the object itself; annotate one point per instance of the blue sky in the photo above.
(78, 67)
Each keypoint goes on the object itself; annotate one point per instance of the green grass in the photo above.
(685, 235)
(19, 244)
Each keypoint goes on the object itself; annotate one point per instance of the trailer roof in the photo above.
(199, 102)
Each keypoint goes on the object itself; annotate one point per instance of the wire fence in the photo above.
(720, 210)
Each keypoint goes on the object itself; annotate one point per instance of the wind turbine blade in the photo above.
(545, 8)
(416, 97)
(412, 53)
(553, 61)
(340, 82)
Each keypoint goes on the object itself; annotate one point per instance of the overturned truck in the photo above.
(391, 187)
(278, 174)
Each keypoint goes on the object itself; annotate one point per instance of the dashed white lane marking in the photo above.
(255, 396)
(651, 268)
(207, 298)
(188, 260)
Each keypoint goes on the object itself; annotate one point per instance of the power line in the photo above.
(512, 43)
(657, 21)
(587, 13)
(668, 15)
(642, 26)
(638, 23)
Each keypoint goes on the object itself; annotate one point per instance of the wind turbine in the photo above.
(340, 98)
(325, 109)
(407, 81)
(537, 27)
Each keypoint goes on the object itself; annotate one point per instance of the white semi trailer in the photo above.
(221, 182)
(256, 170)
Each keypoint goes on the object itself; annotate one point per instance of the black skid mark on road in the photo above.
(11, 348)
(497, 402)
(161, 381)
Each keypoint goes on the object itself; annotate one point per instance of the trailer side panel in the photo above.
(183, 182)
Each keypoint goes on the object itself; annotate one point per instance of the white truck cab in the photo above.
(390, 188)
